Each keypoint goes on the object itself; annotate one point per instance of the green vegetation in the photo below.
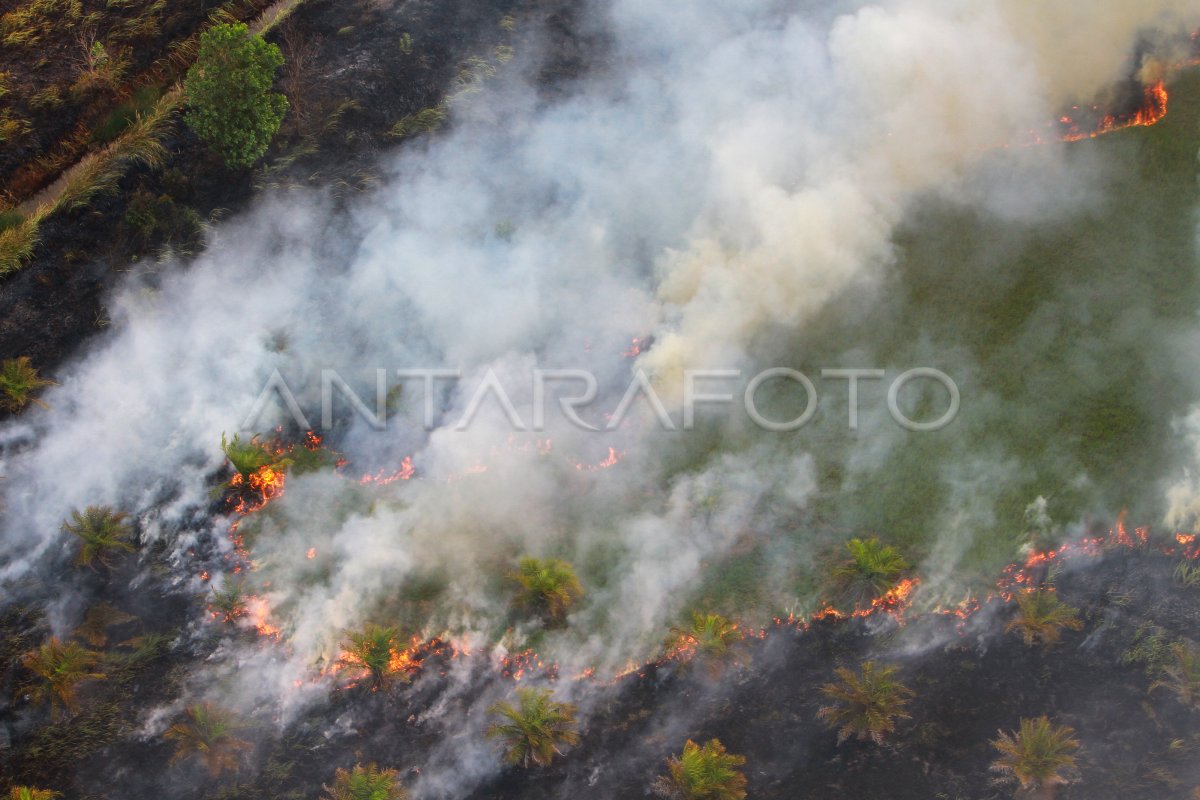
(547, 586)
(1182, 675)
(1187, 574)
(1038, 757)
(366, 783)
(151, 219)
(1041, 617)
(872, 570)
(60, 668)
(231, 104)
(535, 729)
(709, 637)
(27, 793)
(19, 380)
(228, 602)
(101, 531)
(702, 773)
(375, 649)
(246, 458)
(141, 103)
(867, 705)
(207, 733)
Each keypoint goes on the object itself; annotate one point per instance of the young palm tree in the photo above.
(1042, 617)
(29, 793)
(366, 783)
(101, 530)
(229, 602)
(1183, 676)
(60, 668)
(1038, 757)
(867, 704)
(246, 457)
(548, 585)
(374, 649)
(18, 381)
(702, 773)
(709, 638)
(871, 571)
(207, 732)
(535, 729)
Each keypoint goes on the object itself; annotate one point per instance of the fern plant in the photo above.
(29, 793)
(1182, 675)
(548, 586)
(374, 649)
(19, 380)
(705, 772)
(1041, 617)
(207, 733)
(867, 704)
(535, 729)
(872, 569)
(101, 531)
(366, 783)
(1039, 756)
(60, 667)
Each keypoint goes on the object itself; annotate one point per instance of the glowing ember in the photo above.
(635, 348)
(311, 554)
(613, 458)
(383, 478)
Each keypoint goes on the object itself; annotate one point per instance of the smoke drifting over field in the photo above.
(752, 184)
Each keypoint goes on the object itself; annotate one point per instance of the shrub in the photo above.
(101, 530)
(1042, 617)
(366, 783)
(709, 637)
(1182, 675)
(872, 570)
(535, 729)
(18, 381)
(702, 773)
(28, 793)
(229, 602)
(1038, 756)
(548, 586)
(231, 105)
(207, 732)
(375, 649)
(60, 668)
(867, 705)
(246, 457)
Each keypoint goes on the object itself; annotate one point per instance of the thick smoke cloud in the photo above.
(742, 170)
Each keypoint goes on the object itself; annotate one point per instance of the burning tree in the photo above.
(258, 470)
(872, 570)
(709, 637)
(535, 729)
(1183, 675)
(702, 773)
(1038, 757)
(548, 586)
(377, 650)
(867, 705)
(101, 530)
(29, 793)
(366, 783)
(207, 732)
(60, 669)
(1042, 617)
(229, 602)
(18, 381)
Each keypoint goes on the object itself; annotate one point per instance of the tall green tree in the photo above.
(867, 704)
(231, 103)
(705, 772)
(535, 728)
(1039, 757)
